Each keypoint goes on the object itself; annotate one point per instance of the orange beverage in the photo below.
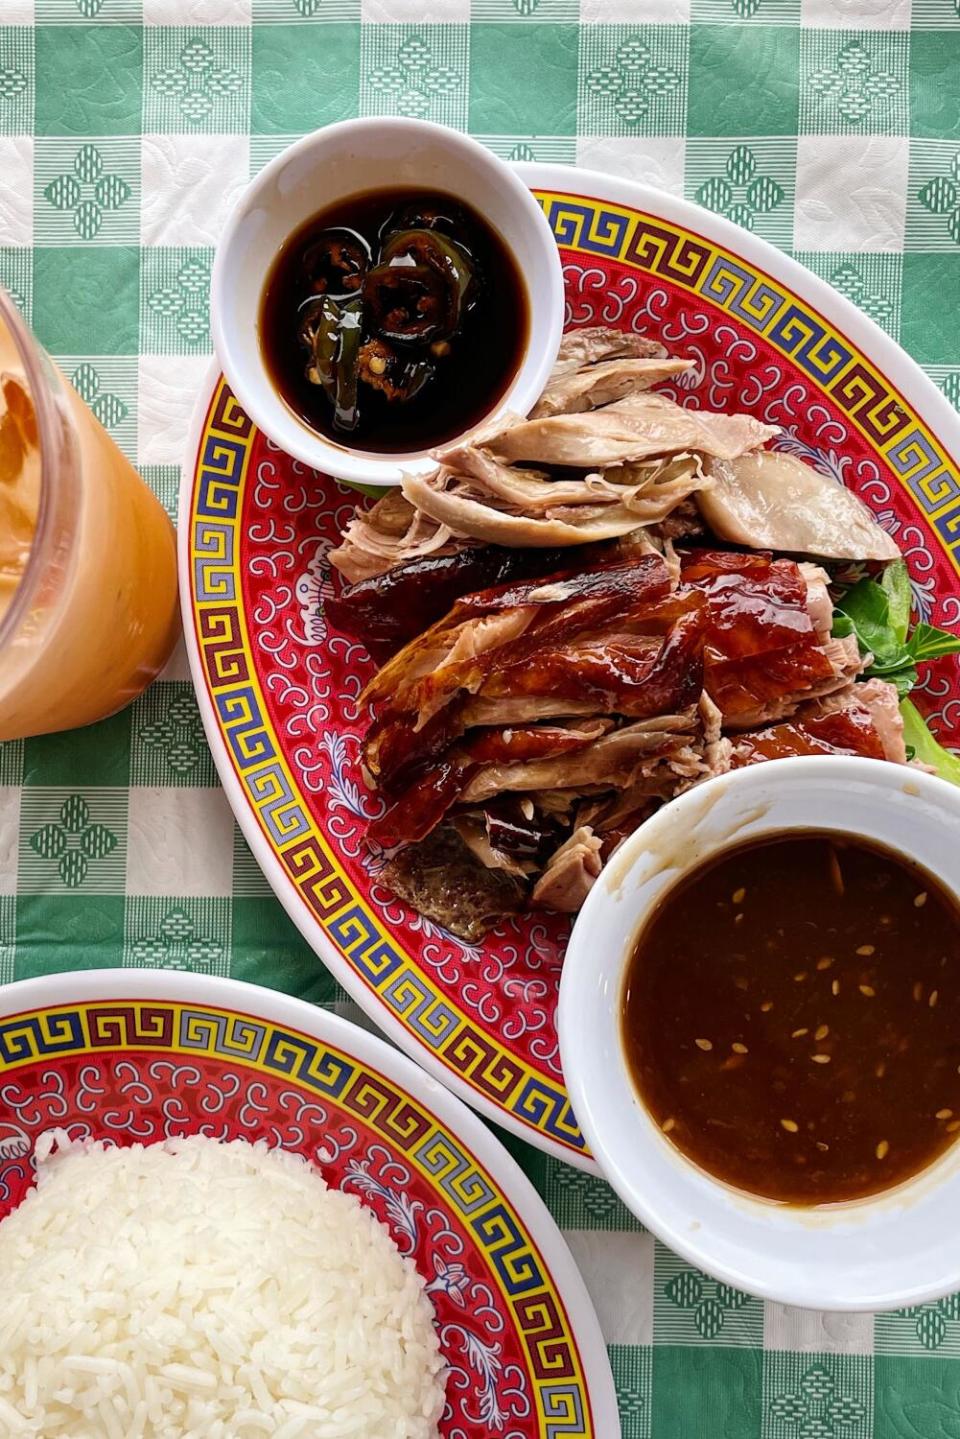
(88, 570)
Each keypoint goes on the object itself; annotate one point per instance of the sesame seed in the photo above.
(741, 982)
(739, 895)
(835, 987)
(880, 1070)
(703, 1043)
(790, 1125)
(767, 1005)
(918, 991)
(867, 989)
(738, 918)
(953, 1126)
(799, 978)
(944, 1114)
(882, 1149)
(822, 1032)
(825, 962)
(667, 1125)
(866, 949)
(822, 1147)
(799, 1033)
(934, 996)
(919, 900)
(820, 1058)
(739, 1048)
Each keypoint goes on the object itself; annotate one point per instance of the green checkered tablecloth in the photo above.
(127, 127)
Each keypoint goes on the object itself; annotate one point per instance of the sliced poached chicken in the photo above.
(772, 501)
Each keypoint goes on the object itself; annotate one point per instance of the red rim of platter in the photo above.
(279, 689)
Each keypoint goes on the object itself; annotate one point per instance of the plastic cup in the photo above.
(88, 572)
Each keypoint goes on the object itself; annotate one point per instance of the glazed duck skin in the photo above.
(738, 629)
(415, 693)
(385, 611)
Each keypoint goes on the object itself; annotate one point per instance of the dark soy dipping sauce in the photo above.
(486, 340)
(791, 1018)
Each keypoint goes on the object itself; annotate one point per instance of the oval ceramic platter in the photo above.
(278, 688)
(150, 1056)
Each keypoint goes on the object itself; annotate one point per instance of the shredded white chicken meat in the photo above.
(636, 428)
(588, 388)
(389, 533)
(594, 343)
(616, 758)
(571, 873)
(642, 460)
(495, 505)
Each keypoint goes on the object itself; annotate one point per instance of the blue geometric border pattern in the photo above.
(242, 723)
(430, 1017)
(362, 943)
(743, 293)
(587, 226)
(213, 562)
(563, 1410)
(947, 527)
(454, 1171)
(514, 1261)
(227, 1035)
(549, 1109)
(285, 818)
(809, 344)
(35, 1036)
(219, 476)
(920, 467)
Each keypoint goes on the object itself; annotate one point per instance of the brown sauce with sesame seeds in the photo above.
(791, 1017)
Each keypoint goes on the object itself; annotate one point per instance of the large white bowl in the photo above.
(897, 1248)
(324, 168)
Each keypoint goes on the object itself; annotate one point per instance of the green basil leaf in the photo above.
(879, 616)
(919, 739)
(868, 608)
(903, 680)
(895, 584)
(927, 642)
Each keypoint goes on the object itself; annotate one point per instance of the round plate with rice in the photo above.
(254, 1218)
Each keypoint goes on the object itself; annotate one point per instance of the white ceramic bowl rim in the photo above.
(253, 233)
(897, 1248)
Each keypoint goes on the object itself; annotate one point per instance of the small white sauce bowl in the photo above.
(321, 170)
(898, 1248)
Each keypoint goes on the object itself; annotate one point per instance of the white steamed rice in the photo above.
(196, 1290)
